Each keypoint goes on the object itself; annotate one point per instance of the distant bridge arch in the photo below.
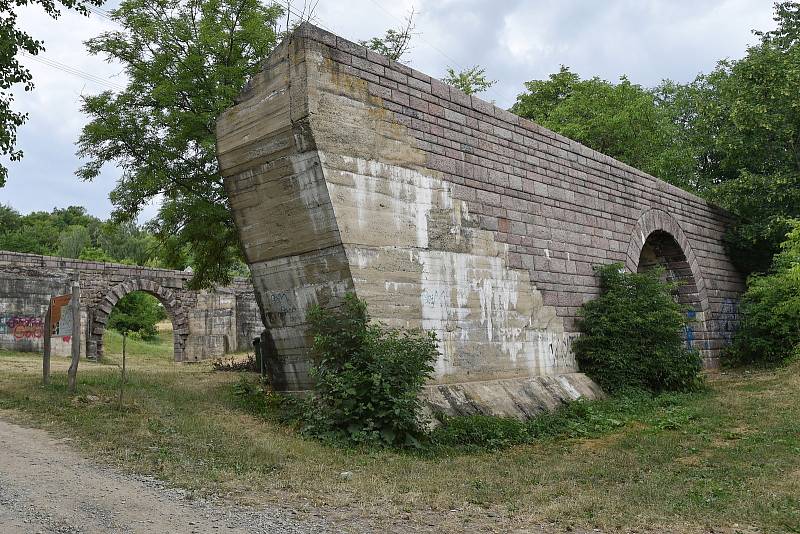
(206, 323)
(167, 297)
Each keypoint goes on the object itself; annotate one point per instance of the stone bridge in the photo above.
(350, 172)
(206, 323)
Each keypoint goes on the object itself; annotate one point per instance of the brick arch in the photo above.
(657, 222)
(167, 297)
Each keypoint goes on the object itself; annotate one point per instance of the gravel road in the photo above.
(47, 486)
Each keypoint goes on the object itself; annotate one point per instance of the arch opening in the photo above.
(661, 249)
(175, 313)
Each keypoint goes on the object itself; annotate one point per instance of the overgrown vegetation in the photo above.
(72, 233)
(367, 377)
(471, 81)
(769, 331)
(632, 334)
(395, 43)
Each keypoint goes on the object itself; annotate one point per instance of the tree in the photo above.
(621, 120)
(137, 312)
(15, 40)
(396, 42)
(743, 120)
(470, 81)
(72, 233)
(73, 240)
(186, 61)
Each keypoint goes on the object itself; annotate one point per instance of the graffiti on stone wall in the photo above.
(728, 319)
(22, 326)
(281, 303)
(688, 329)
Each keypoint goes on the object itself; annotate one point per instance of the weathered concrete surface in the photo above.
(350, 172)
(205, 323)
(521, 398)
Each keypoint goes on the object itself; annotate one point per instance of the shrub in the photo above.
(632, 334)
(367, 377)
(769, 311)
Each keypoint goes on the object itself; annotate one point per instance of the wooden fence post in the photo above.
(122, 382)
(75, 304)
(46, 357)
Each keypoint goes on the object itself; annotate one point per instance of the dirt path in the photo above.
(46, 486)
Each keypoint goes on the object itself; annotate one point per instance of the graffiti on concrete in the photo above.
(561, 355)
(22, 326)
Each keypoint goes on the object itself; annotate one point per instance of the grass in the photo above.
(727, 459)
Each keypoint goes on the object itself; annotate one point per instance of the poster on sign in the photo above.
(60, 316)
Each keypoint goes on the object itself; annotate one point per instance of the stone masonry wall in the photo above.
(205, 323)
(351, 172)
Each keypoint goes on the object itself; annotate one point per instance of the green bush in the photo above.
(632, 334)
(367, 377)
(769, 311)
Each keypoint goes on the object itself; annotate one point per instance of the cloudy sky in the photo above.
(516, 40)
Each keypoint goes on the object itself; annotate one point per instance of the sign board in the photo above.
(60, 316)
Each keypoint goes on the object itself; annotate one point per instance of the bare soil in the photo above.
(46, 486)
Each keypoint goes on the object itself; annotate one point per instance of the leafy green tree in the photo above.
(621, 120)
(73, 233)
(127, 243)
(769, 329)
(186, 61)
(95, 254)
(73, 240)
(34, 233)
(470, 81)
(137, 312)
(632, 334)
(9, 219)
(13, 40)
(743, 122)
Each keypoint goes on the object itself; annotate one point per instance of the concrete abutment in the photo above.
(350, 172)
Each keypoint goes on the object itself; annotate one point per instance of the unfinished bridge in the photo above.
(347, 171)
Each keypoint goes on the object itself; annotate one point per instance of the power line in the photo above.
(102, 13)
(75, 72)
